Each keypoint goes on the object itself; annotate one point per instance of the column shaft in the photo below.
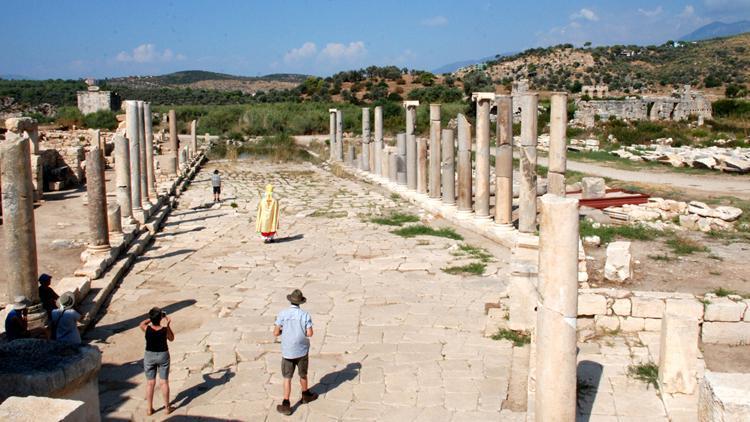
(421, 165)
(448, 165)
(193, 138)
(131, 118)
(504, 161)
(557, 310)
(464, 164)
(482, 201)
(174, 143)
(558, 145)
(527, 195)
(142, 149)
(401, 162)
(149, 131)
(331, 134)
(339, 135)
(435, 145)
(97, 200)
(379, 141)
(365, 139)
(122, 177)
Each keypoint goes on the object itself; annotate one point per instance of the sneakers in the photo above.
(308, 396)
(285, 408)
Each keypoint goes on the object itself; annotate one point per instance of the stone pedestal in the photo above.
(35, 367)
(435, 146)
(122, 177)
(149, 133)
(678, 354)
(558, 145)
(174, 143)
(331, 133)
(401, 159)
(379, 141)
(339, 136)
(365, 139)
(19, 229)
(131, 119)
(527, 194)
(482, 201)
(557, 310)
(504, 162)
(448, 167)
(114, 218)
(97, 201)
(464, 165)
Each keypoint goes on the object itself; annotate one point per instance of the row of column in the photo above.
(430, 168)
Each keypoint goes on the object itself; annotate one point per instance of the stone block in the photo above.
(724, 309)
(652, 324)
(593, 187)
(607, 322)
(732, 333)
(632, 324)
(592, 304)
(621, 307)
(724, 397)
(79, 286)
(746, 317)
(523, 299)
(678, 354)
(29, 409)
(619, 264)
(647, 307)
(688, 307)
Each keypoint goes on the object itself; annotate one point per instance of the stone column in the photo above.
(392, 158)
(97, 201)
(422, 166)
(678, 354)
(557, 310)
(372, 156)
(96, 138)
(339, 135)
(351, 155)
(435, 163)
(142, 149)
(131, 119)
(174, 144)
(558, 146)
(114, 218)
(401, 162)
(331, 133)
(482, 201)
(122, 177)
(464, 166)
(379, 141)
(149, 131)
(365, 139)
(193, 138)
(527, 195)
(411, 144)
(19, 230)
(504, 162)
(28, 127)
(448, 165)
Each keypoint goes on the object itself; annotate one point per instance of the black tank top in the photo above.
(156, 340)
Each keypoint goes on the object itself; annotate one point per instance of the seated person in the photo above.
(64, 320)
(47, 296)
(16, 323)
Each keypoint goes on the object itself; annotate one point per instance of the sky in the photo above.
(103, 38)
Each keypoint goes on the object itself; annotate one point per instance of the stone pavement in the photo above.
(395, 337)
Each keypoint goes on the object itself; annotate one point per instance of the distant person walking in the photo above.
(64, 321)
(295, 327)
(267, 222)
(16, 322)
(156, 357)
(216, 184)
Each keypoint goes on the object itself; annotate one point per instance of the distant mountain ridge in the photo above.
(717, 30)
(201, 79)
(452, 67)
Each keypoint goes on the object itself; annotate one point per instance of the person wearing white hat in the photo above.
(16, 323)
(64, 320)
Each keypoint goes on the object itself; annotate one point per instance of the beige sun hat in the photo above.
(67, 300)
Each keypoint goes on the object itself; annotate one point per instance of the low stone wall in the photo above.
(33, 367)
(724, 320)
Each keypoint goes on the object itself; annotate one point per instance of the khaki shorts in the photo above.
(288, 365)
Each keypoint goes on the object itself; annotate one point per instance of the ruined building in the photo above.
(93, 99)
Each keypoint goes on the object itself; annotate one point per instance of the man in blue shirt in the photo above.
(294, 325)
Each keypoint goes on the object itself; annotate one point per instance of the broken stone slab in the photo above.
(727, 213)
(724, 309)
(79, 286)
(593, 187)
(678, 354)
(724, 397)
(619, 263)
(731, 333)
(28, 409)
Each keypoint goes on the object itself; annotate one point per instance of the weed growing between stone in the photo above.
(685, 246)
(609, 233)
(662, 257)
(422, 230)
(722, 292)
(646, 372)
(475, 252)
(519, 338)
(475, 268)
(396, 219)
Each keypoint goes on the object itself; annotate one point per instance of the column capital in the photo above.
(332, 110)
(482, 96)
(411, 103)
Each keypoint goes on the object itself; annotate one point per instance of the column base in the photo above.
(464, 214)
(36, 317)
(504, 227)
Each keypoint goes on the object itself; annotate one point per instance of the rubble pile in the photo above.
(662, 214)
(735, 160)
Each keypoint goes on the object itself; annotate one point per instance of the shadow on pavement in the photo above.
(210, 380)
(589, 377)
(289, 238)
(102, 332)
(334, 379)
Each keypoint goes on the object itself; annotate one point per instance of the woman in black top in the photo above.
(156, 356)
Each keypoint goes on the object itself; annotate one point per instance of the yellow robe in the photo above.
(268, 216)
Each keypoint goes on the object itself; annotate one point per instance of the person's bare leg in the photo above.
(164, 387)
(303, 383)
(150, 396)
(287, 388)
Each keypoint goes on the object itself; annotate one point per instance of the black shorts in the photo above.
(217, 190)
(288, 365)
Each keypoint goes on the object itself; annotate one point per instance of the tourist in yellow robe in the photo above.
(267, 222)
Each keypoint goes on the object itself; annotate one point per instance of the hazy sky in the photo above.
(103, 38)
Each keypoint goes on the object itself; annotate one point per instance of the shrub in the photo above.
(102, 119)
(68, 117)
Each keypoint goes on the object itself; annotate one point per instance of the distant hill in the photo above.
(717, 30)
(200, 79)
(452, 67)
(12, 77)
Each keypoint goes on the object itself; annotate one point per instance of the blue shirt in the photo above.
(67, 326)
(294, 323)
